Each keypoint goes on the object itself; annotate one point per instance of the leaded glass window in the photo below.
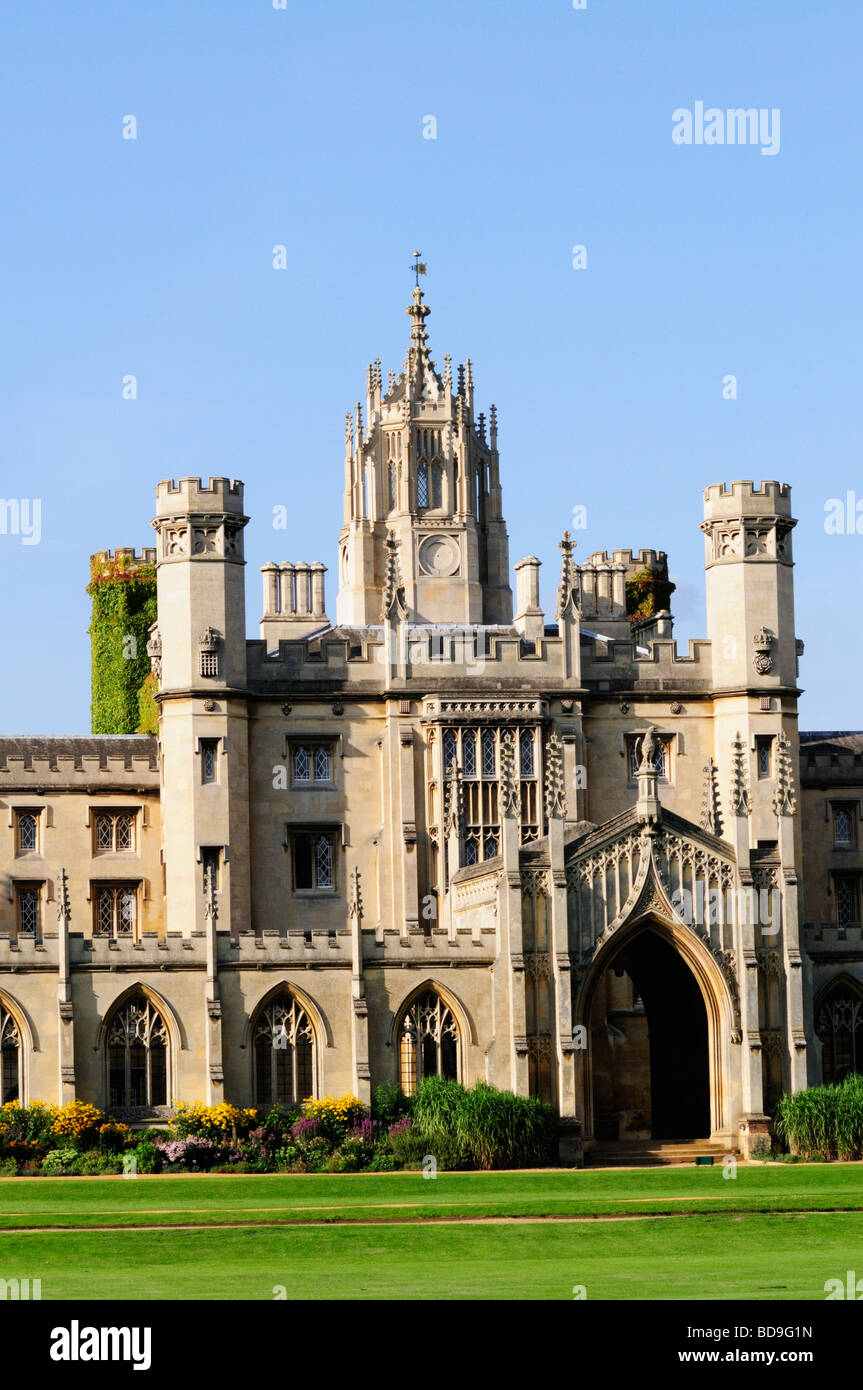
(313, 762)
(839, 1025)
(27, 832)
(428, 1042)
(489, 846)
(468, 752)
(115, 832)
(324, 862)
(208, 759)
(422, 485)
(10, 1058)
(313, 862)
(526, 747)
(843, 826)
(449, 750)
(393, 486)
(845, 888)
(764, 750)
(489, 759)
(115, 910)
(284, 1053)
(471, 850)
(436, 484)
(137, 1056)
(28, 912)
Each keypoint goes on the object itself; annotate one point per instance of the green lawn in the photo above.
(772, 1233)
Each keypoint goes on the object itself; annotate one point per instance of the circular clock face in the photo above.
(439, 556)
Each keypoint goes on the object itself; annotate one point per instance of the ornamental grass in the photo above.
(823, 1121)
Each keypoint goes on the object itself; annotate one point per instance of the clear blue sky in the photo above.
(304, 126)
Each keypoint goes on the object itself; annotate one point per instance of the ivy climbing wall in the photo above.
(123, 592)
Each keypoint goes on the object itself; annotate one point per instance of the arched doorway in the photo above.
(649, 1045)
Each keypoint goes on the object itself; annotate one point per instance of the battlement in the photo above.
(100, 755)
(656, 561)
(190, 495)
(123, 563)
(743, 498)
(617, 661)
(831, 760)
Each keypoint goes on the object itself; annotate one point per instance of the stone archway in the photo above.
(653, 1016)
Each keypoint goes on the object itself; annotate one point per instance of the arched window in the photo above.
(284, 1053)
(468, 752)
(422, 485)
(839, 1025)
(489, 758)
(428, 1041)
(393, 487)
(10, 1058)
(526, 753)
(137, 1056)
(449, 746)
(436, 484)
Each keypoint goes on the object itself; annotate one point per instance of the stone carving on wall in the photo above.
(762, 641)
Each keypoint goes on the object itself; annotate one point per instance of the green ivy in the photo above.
(124, 607)
(647, 594)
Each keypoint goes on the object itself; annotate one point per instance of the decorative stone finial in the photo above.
(567, 593)
(355, 901)
(510, 790)
(455, 801)
(711, 810)
(741, 800)
(784, 799)
(394, 606)
(555, 791)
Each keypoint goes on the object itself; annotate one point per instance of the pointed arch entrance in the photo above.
(653, 1009)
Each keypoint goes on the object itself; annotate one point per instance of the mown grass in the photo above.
(772, 1258)
(214, 1200)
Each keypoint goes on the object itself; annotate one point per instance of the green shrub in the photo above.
(824, 1121)
(382, 1162)
(491, 1128)
(147, 1157)
(95, 1164)
(390, 1104)
(8, 1168)
(58, 1162)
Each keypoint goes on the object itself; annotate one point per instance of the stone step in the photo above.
(654, 1153)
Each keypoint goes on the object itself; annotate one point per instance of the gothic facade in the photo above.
(435, 835)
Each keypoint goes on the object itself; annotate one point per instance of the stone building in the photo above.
(546, 850)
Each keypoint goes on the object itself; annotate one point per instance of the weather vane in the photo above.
(419, 267)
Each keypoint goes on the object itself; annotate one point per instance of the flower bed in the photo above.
(444, 1126)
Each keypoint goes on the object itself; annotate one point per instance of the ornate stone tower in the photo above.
(199, 651)
(750, 623)
(423, 468)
